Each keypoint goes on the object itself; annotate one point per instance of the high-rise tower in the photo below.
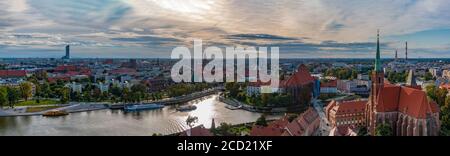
(406, 51)
(67, 56)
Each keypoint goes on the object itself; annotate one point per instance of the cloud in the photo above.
(303, 27)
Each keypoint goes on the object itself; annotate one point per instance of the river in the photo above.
(120, 123)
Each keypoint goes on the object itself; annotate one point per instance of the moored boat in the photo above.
(55, 113)
(186, 108)
(139, 107)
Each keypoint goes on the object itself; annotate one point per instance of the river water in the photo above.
(120, 123)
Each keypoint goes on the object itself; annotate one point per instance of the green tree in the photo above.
(3, 96)
(362, 131)
(26, 90)
(191, 120)
(383, 130)
(428, 76)
(13, 96)
(261, 121)
(65, 95)
(441, 95)
(222, 130)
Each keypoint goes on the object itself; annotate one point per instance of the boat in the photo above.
(186, 108)
(233, 107)
(55, 113)
(138, 107)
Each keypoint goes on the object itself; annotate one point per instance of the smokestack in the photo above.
(406, 49)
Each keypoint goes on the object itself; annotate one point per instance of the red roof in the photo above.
(123, 71)
(63, 68)
(301, 123)
(275, 128)
(300, 78)
(13, 73)
(329, 84)
(407, 100)
(197, 131)
(347, 107)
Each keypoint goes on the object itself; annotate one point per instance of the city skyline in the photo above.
(148, 28)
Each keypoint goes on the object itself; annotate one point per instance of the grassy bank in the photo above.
(36, 103)
(40, 109)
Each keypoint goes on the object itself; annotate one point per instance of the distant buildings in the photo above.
(406, 109)
(329, 87)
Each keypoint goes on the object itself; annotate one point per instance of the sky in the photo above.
(152, 28)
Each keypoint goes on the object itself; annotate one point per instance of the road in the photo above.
(324, 125)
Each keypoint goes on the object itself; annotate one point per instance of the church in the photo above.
(405, 108)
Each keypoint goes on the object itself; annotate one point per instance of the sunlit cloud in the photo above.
(319, 28)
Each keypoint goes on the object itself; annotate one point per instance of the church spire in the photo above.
(378, 60)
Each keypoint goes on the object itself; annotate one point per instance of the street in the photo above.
(324, 125)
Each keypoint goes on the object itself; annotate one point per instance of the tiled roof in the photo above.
(331, 83)
(347, 107)
(197, 131)
(301, 77)
(301, 123)
(13, 73)
(407, 100)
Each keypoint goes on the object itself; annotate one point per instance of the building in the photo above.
(199, 130)
(344, 131)
(275, 128)
(407, 110)
(446, 73)
(346, 113)
(299, 83)
(306, 124)
(67, 56)
(328, 87)
(358, 87)
(76, 87)
(13, 73)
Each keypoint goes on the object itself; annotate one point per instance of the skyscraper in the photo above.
(406, 51)
(67, 56)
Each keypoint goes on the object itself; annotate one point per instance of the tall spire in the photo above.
(378, 60)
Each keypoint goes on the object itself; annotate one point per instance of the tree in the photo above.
(362, 131)
(223, 129)
(441, 95)
(431, 92)
(3, 97)
(13, 96)
(261, 121)
(65, 95)
(26, 90)
(383, 130)
(428, 76)
(191, 120)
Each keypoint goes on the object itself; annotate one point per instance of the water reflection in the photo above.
(117, 122)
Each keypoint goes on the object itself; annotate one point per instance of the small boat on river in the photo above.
(186, 108)
(139, 107)
(55, 113)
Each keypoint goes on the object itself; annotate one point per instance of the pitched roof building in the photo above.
(12, 73)
(406, 109)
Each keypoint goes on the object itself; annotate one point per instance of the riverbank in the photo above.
(273, 110)
(70, 108)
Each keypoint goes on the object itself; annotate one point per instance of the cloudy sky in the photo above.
(152, 28)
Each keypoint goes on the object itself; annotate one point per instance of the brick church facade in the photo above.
(405, 108)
